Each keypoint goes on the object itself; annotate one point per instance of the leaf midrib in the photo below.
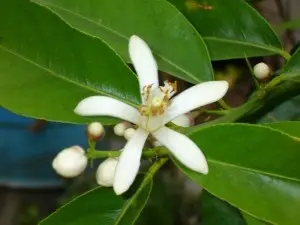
(264, 47)
(45, 4)
(251, 170)
(30, 61)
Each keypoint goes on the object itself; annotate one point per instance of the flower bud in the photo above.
(185, 120)
(70, 162)
(261, 71)
(105, 173)
(120, 128)
(129, 133)
(95, 131)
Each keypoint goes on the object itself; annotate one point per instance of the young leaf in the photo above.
(228, 32)
(46, 67)
(253, 168)
(178, 48)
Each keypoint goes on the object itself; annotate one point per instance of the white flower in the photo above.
(157, 109)
(105, 173)
(95, 131)
(70, 162)
(261, 71)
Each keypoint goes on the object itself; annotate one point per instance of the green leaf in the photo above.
(46, 67)
(99, 206)
(215, 211)
(253, 168)
(290, 127)
(289, 110)
(250, 220)
(178, 48)
(228, 32)
(103, 206)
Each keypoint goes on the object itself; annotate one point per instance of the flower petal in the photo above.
(129, 162)
(143, 61)
(106, 106)
(196, 96)
(185, 150)
(184, 120)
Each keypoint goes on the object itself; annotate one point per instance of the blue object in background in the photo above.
(26, 155)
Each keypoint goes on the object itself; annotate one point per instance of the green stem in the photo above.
(285, 55)
(223, 104)
(216, 112)
(257, 85)
(156, 166)
(147, 153)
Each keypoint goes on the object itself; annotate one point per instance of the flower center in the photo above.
(155, 104)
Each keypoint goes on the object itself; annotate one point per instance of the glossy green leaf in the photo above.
(103, 206)
(46, 67)
(250, 220)
(290, 127)
(178, 48)
(215, 211)
(253, 168)
(100, 206)
(228, 32)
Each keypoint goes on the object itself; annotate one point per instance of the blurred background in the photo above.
(30, 190)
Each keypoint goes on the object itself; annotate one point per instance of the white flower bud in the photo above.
(105, 173)
(95, 131)
(185, 120)
(120, 128)
(261, 71)
(129, 133)
(70, 162)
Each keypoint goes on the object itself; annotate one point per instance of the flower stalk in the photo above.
(158, 152)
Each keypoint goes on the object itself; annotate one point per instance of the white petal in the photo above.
(129, 162)
(196, 96)
(106, 106)
(183, 120)
(185, 150)
(143, 61)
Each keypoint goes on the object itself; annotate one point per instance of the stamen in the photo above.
(156, 100)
